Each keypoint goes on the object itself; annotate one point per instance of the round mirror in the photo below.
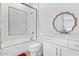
(64, 22)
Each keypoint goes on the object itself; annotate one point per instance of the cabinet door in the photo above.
(69, 52)
(49, 49)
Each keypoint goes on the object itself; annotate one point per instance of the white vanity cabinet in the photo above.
(69, 52)
(49, 49)
(66, 48)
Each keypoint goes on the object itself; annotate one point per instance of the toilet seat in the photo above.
(35, 48)
(35, 45)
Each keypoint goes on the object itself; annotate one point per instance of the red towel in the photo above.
(23, 54)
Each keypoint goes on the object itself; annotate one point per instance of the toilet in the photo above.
(35, 48)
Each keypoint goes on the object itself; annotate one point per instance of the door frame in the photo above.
(36, 17)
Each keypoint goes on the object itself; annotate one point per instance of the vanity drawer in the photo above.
(60, 41)
(73, 44)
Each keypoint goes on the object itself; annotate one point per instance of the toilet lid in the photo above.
(35, 45)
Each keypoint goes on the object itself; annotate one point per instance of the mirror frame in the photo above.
(75, 22)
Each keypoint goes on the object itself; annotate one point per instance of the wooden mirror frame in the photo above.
(75, 22)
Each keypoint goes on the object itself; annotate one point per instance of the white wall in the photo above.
(47, 12)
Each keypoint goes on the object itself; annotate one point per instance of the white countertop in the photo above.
(71, 36)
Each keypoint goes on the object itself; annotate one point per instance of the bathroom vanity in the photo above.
(60, 45)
